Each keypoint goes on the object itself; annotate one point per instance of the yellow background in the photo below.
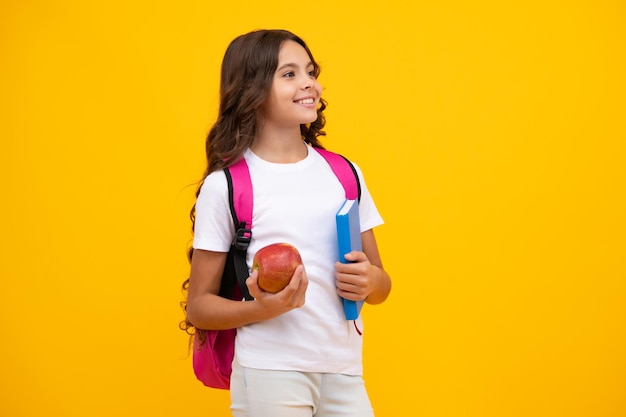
(493, 138)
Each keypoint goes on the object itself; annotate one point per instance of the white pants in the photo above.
(263, 393)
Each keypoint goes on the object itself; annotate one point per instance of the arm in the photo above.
(207, 310)
(365, 279)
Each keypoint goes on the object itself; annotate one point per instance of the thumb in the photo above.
(355, 256)
(253, 279)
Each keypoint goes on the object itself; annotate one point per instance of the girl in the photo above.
(295, 353)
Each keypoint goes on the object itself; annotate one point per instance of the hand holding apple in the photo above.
(276, 264)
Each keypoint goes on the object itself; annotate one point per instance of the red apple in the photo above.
(276, 264)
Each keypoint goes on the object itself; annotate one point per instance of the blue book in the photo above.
(349, 239)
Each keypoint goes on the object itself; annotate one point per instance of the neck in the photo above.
(281, 146)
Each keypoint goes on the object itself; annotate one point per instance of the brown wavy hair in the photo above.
(248, 69)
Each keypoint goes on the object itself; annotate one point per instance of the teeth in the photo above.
(306, 101)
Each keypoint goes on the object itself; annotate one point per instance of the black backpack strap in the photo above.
(238, 251)
(240, 201)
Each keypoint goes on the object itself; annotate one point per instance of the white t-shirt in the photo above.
(293, 203)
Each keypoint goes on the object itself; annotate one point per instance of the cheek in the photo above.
(318, 88)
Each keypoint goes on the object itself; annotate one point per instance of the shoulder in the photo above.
(214, 186)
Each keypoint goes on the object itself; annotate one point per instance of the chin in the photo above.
(311, 119)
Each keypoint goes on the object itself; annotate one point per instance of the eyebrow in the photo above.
(292, 65)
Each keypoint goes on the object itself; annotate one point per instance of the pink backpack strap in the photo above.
(345, 172)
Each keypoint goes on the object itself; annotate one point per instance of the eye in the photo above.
(289, 74)
(313, 73)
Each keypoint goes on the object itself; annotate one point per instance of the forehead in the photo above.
(293, 53)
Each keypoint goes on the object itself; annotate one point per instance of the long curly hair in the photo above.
(247, 73)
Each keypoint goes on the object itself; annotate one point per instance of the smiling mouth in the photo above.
(306, 101)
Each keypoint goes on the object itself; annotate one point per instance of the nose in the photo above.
(308, 83)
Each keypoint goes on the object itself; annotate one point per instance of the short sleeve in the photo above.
(213, 228)
(368, 213)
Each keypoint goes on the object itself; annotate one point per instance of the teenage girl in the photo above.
(295, 353)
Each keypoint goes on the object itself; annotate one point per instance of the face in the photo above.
(295, 93)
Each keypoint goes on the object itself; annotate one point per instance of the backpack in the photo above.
(213, 359)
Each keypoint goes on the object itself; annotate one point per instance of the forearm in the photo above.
(381, 285)
(212, 312)
(379, 280)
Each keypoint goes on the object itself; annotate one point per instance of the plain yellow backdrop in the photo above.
(492, 137)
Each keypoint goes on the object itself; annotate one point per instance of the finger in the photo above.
(298, 277)
(297, 286)
(300, 294)
(252, 282)
(352, 293)
(304, 279)
(349, 268)
(356, 256)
